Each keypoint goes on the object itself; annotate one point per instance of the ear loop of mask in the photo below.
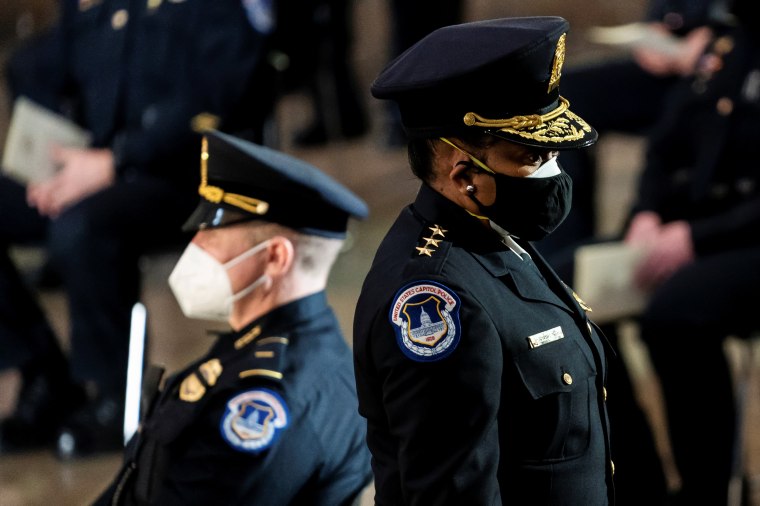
(479, 164)
(247, 254)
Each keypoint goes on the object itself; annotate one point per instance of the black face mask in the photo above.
(529, 208)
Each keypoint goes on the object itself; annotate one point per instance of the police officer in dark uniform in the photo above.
(697, 214)
(480, 375)
(144, 78)
(268, 415)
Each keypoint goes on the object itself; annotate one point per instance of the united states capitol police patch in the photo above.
(253, 420)
(425, 317)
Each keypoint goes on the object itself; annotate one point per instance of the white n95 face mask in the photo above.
(202, 287)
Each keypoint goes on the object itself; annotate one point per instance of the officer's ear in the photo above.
(462, 177)
(280, 256)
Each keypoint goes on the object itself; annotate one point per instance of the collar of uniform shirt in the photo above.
(510, 243)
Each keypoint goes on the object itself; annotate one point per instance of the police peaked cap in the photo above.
(500, 76)
(242, 181)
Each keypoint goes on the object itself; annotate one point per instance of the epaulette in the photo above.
(264, 360)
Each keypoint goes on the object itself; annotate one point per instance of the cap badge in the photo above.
(559, 60)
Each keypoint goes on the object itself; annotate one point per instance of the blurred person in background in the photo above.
(317, 38)
(410, 22)
(144, 78)
(268, 416)
(697, 217)
(627, 94)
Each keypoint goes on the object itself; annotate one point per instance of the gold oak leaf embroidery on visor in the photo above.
(561, 124)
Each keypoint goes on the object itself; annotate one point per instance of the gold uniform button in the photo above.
(604, 393)
(567, 379)
(612, 466)
(724, 106)
(119, 19)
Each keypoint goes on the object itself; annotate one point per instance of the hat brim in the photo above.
(565, 131)
(209, 215)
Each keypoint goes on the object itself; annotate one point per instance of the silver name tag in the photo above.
(547, 336)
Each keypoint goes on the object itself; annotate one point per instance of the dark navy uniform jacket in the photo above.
(267, 417)
(141, 75)
(481, 378)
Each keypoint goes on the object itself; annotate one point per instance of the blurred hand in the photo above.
(82, 172)
(643, 229)
(669, 251)
(682, 61)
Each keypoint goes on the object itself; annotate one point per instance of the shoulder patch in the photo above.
(425, 317)
(253, 420)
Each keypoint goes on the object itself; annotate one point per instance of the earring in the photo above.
(470, 188)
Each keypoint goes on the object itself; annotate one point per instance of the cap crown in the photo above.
(243, 181)
(489, 72)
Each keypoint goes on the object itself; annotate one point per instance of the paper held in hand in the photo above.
(604, 280)
(32, 132)
(635, 35)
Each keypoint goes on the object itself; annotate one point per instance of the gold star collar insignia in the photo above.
(431, 242)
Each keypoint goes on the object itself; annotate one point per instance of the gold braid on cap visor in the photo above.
(216, 195)
(553, 126)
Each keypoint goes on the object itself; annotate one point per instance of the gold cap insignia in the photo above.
(559, 60)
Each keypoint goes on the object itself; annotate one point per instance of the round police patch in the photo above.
(425, 317)
(253, 420)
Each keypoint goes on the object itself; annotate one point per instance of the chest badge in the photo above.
(425, 318)
(191, 389)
